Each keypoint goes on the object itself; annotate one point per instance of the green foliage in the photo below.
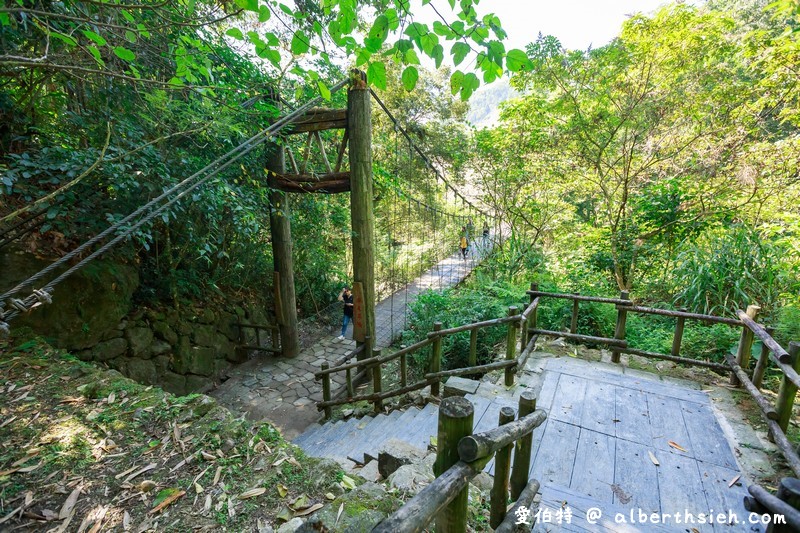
(457, 307)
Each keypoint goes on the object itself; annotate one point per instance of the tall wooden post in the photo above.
(282, 264)
(359, 131)
(436, 358)
(455, 422)
(511, 341)
(502, 467)
(522, 457)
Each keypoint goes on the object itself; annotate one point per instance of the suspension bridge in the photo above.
(602, 437)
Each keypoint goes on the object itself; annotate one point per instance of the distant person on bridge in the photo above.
(470, 229)
(463, 243)
(347, 297)
(485, 236)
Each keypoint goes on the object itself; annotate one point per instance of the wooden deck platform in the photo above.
(599, 447)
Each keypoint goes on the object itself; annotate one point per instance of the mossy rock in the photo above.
(85, 306)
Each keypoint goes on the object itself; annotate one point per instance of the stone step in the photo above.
(373, 436)
(319, 445)
(398, 429)
(309, 433)
(426, 425)
(320, 435)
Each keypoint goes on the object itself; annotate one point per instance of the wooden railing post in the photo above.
(619, 332)
(455, 422)
(788, 390)
(377, 386)
(403, 371)
(511, 345)
(502, 466)
(745, 346)
(276, 339)
(258, 337)
(349, 381)
(473, 347)
(532, 318)
(789, 492)
(573, 326)
(522, 456)
(326, 390)
(763, 361)
(677, 338)
(436, 358)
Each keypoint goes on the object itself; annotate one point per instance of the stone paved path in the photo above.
(283, 391)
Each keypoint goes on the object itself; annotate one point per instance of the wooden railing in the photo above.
(245, 343)
(788, 362)
(783, 508)
(374, 365)
(460, 456)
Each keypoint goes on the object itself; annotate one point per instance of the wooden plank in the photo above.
(632, 420)
(555, 497)
(722, 498)
(679, 485)
(635, 477)
(666, 423)
(599, 410)
(553, 463)
(707, 438)
(593, 471)
(568, 401)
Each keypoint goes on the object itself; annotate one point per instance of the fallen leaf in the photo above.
(217, 475)
(207, 456)
(330, 496)
(141, 471)
(676, 446)
(207, 504)
(69, 503)
(732, 482)
(111, 398)
(7, 422)
(284, 515)
(653, 458)
(146, 486)
(252, 493)
(294, 462)
(301, 502)
(198, 488)
(166, 497)
(126, 521)
(339, 514)
(348, 483)
(282, 490)
(309, 510)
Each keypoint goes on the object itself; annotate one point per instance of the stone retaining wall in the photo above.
(182, 352)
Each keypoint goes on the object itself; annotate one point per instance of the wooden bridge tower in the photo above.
(356, 121)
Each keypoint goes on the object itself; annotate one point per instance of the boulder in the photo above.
(369, 471)
(139, 339)
(362, 509)
(411, 478)
(109, 349)
(165, 333)
(206, 316)
(458, 386)
(396, 453)
(142, 370)
(227, 325)
(196, 383)
(291, 526)
(204, 335)
(193, 359)
(174, 383)
(159, 347)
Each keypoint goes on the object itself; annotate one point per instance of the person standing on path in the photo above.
(463, 243)
(347, 297)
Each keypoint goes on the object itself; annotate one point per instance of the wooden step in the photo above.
(426, 423)
(374, 436)
(398, 430)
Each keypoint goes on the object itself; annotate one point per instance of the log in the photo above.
(511, 346)
(768, 410)
(683, 360)
(257, 326)
(580, 298)
(329, 177)
(535, 312)
(377, 386)
(502, 467)
(372, 397)
(363, 362)
(763, 334)
(476, 325)
(403, 370)
(788, 390)
(486, 443)
(497, 365)
(436, 358)
(456, 416)
(525, 499)
(783, 444)
(328, 187)
(582, 338)
(522, 457)
(776, 505)
(523, 357)
(530, 309)
(320, 120)
(259, 348)
(677, 314)
(418, 512)
(745, 345)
